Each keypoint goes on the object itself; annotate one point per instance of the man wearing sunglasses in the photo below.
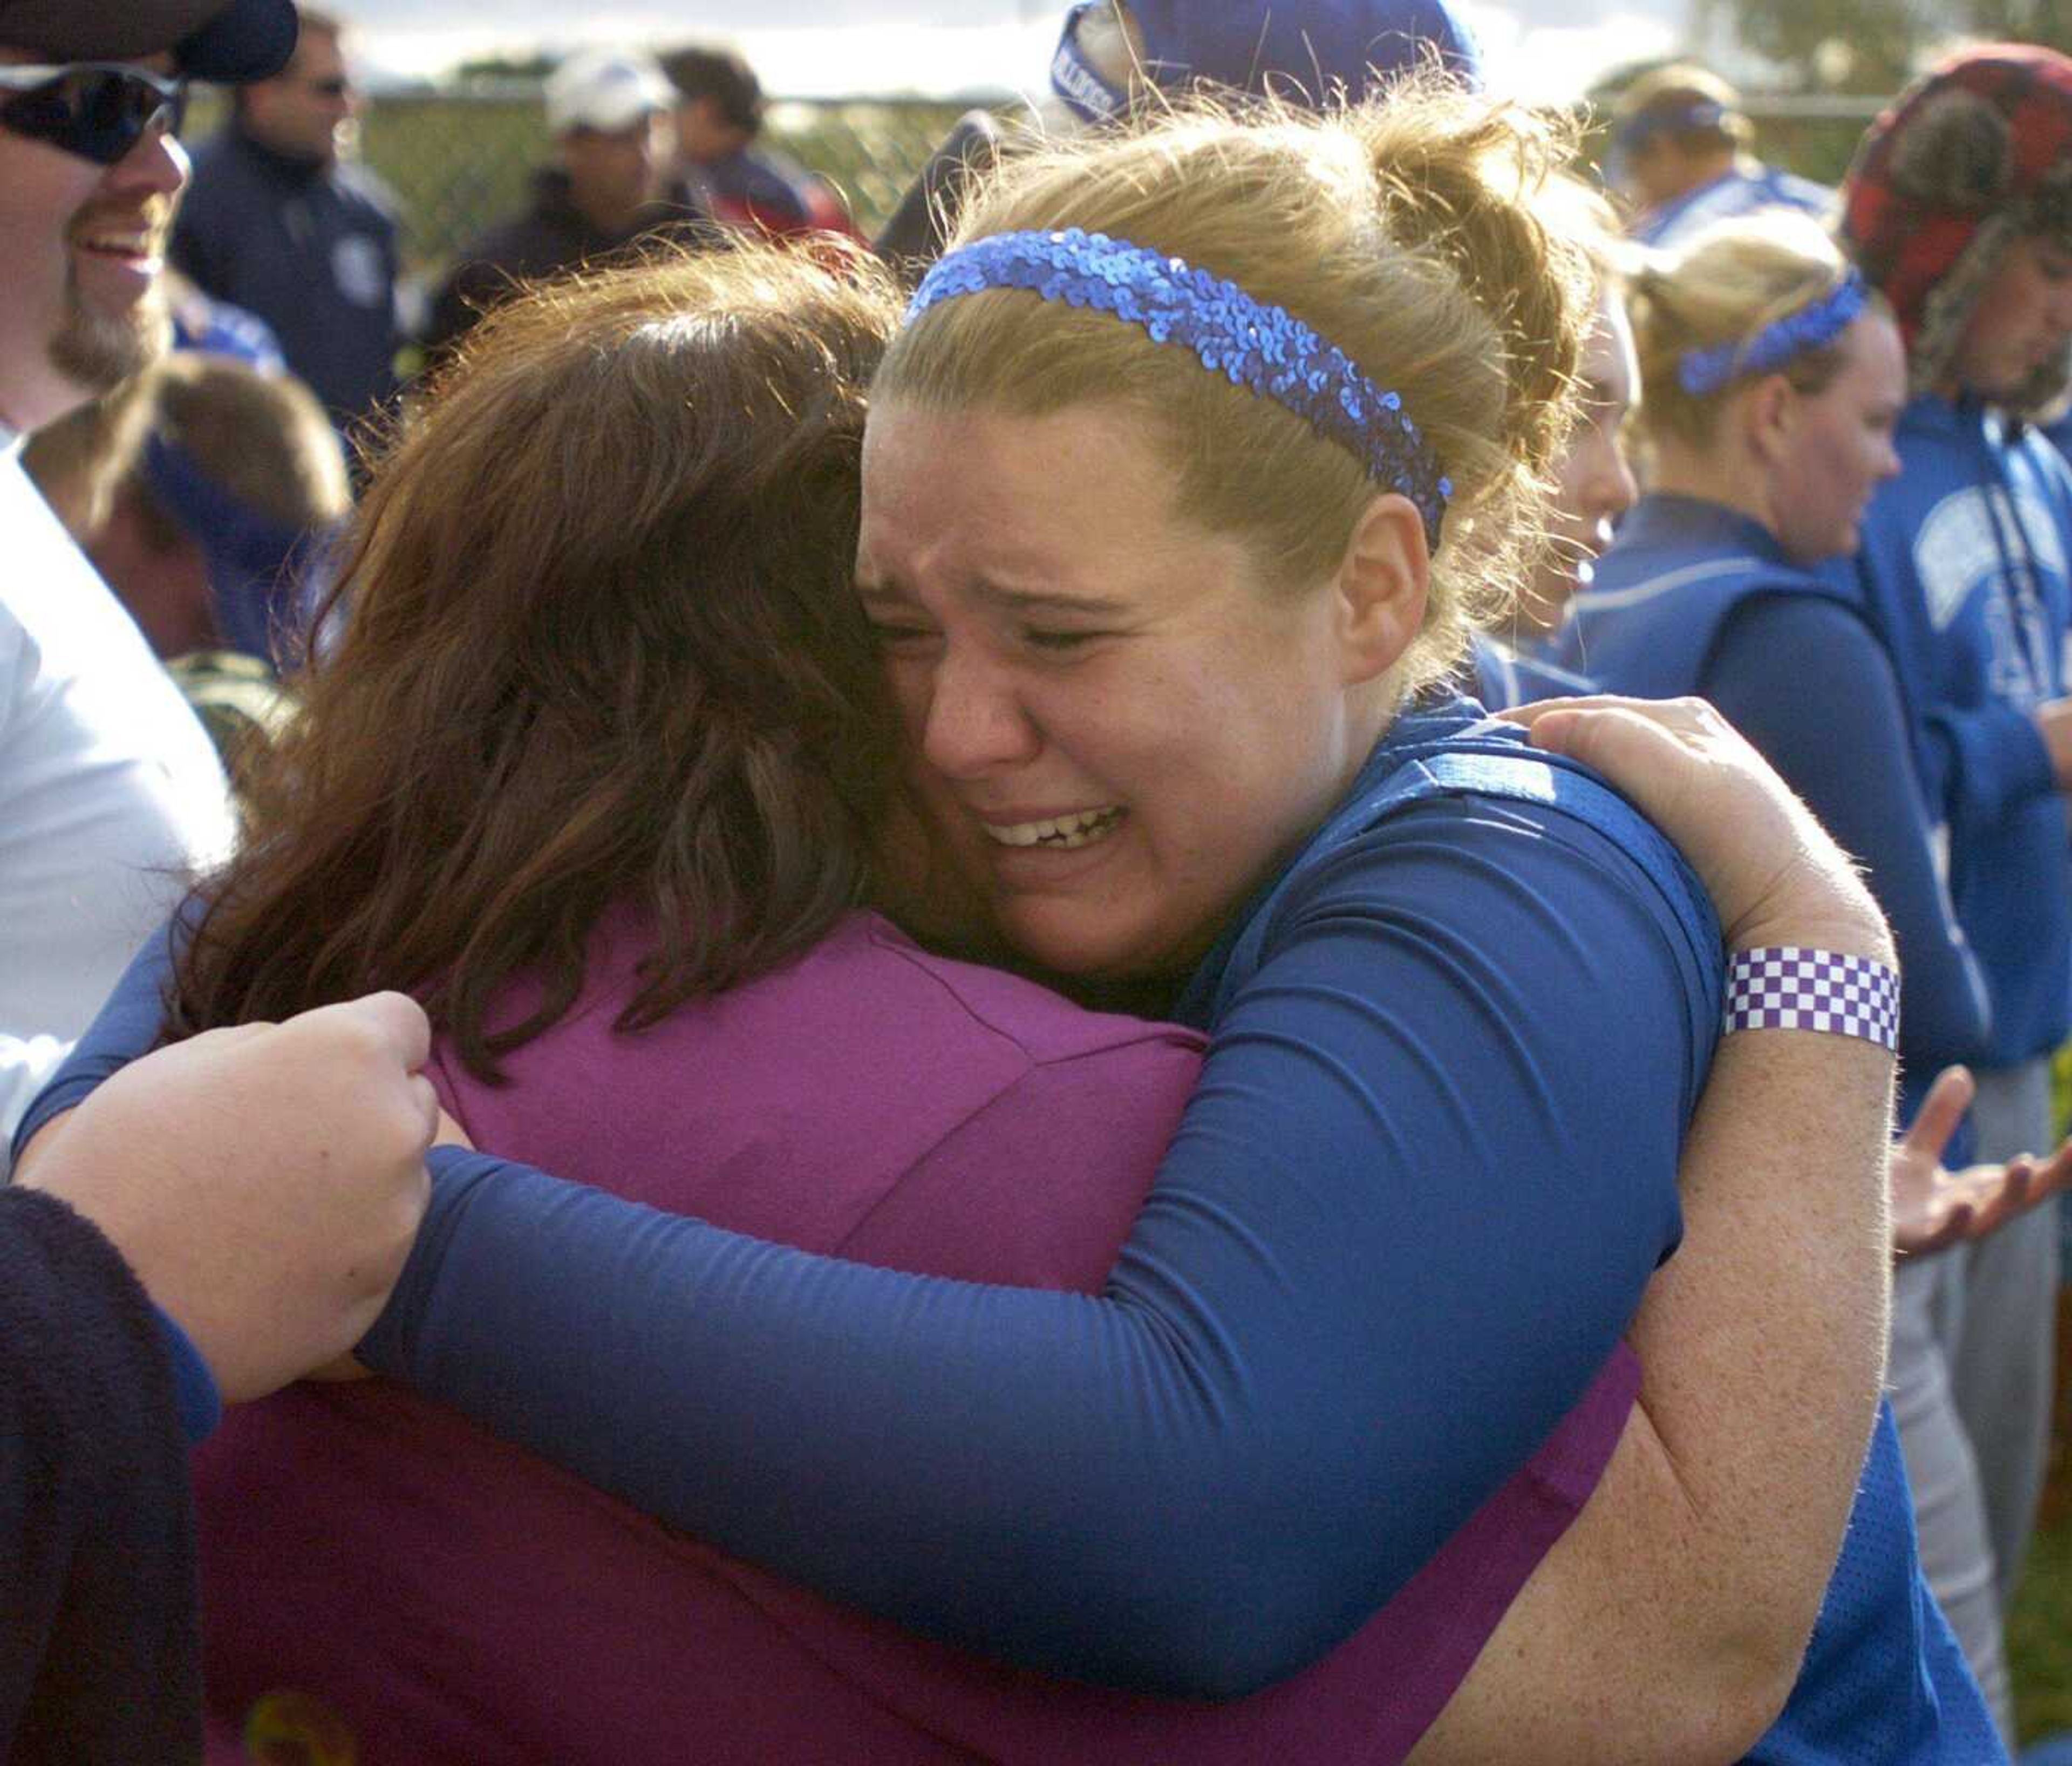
(109, 788)
(137, 1291)
(278, 224)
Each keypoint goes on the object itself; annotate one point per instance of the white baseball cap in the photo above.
(605, 89)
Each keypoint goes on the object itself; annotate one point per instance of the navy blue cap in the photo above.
(1306, 50)
(231, 41)
(1688, 113)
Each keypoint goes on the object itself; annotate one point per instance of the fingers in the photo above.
(429, 1112)
(1959, 1224)
(2055, 1172)
(393, 1023)
(1608, 737)
(2003, 1199)
(1940, 1112)
(1532, 713)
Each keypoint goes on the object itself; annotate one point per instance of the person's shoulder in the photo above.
(1811, 614)
(1457, 794)
(1777, 185)
(222, 155)
(1045, 1026)
(1501, 676)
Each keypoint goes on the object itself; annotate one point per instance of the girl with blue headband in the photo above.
(1772, 379)
(1153, 482)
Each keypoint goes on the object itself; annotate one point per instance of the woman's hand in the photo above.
(1933, 1208)
(1775, 876)
(450, 1133)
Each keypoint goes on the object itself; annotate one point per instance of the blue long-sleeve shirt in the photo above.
(1964, 572)
(1401, 1226)
(1697, 598)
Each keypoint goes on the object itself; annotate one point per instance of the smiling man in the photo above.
(109, 789)
(146, 1277)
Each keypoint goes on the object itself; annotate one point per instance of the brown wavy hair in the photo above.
(601, 647)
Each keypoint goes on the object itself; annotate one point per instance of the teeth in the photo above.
(1083, 828)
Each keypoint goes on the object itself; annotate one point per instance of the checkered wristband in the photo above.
(1786, 988)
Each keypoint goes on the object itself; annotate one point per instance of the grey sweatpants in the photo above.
(1973, 1332)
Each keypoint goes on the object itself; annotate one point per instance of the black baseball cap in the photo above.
(230, 41)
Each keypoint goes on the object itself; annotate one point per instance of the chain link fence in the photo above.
(460, 160)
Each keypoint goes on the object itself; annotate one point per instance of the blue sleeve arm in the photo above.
(1834, 725)
(195, 1392)
(1404, 1220)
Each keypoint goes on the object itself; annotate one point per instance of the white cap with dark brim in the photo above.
(605, 89)
(230, 41)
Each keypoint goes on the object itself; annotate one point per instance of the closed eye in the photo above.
(890, 634)
(1058, 642)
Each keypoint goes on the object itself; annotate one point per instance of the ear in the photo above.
(1382, 585)
(1769, 417)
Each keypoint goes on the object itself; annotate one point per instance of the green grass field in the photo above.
(2040, 1629)
(2040, 1635)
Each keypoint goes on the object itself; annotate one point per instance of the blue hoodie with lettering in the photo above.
(1963, 569)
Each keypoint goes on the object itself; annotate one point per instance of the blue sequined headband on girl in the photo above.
(1817, 323)
(1250, 343)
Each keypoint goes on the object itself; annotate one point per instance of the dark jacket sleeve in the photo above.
(99, 1654)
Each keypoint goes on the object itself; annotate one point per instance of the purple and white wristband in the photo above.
(1787, 987)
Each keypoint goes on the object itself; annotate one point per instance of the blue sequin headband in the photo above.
(1250, 343)
(1818, 322)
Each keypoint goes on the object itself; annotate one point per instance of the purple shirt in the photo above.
(375, 1566)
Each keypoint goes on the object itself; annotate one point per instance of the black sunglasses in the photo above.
(98, 110)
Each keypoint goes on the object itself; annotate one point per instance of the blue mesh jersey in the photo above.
(1884, 1682)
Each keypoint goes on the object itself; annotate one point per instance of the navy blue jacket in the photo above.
(99, 1652)
(310, 249)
